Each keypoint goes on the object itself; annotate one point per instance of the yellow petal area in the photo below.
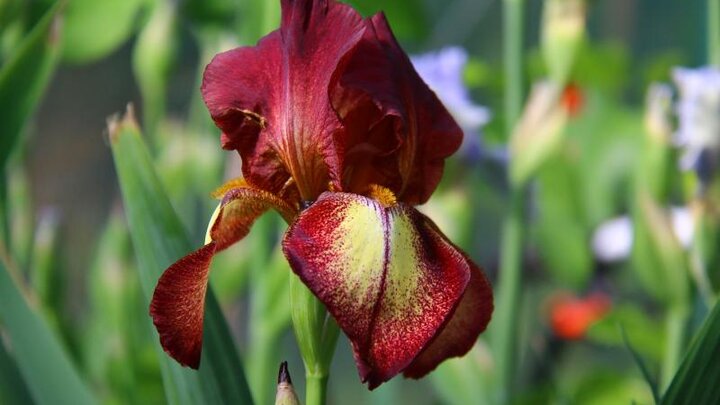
(388, 276)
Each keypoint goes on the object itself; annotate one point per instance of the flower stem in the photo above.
(713, 32)
(512, 60)
(315, 389)
(504, 332)
(674, 341)
(316, 333)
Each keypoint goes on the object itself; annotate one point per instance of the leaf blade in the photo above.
(24, 78)
(45, 366)
(696, 380)
(159, 239)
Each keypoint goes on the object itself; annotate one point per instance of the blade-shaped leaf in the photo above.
(696, 380)
(43, 363)
(159, 239)
(13, 389)
(25, 76)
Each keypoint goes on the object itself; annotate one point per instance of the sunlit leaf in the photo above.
(159, 239)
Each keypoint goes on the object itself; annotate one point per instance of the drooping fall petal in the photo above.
(178, 304)
(271, 100)
(389, 278)
(458, 336)
(398, 133)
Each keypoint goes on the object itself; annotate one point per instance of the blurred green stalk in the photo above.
(4, 213)
(713, 32)
(512, 60)
(504, 330)
(675, 325)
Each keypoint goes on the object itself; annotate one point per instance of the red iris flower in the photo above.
(338, 133)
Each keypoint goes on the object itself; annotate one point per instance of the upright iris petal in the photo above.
(271, 100)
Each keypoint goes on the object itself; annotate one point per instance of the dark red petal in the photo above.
(271, 100)
(470, 318)
(178, 306)
(398, 132)
(389, 279)
(239, 210)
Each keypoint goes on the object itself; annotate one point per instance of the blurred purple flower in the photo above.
(443, 72)
(698, 112)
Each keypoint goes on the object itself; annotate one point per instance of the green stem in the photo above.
(316, 333)
(315, 389)
(713, 32)
(4, 213)
(504, 331)
(505, 328)
(512, 58)
(674, 344)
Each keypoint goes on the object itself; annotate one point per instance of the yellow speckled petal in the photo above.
(390, 279)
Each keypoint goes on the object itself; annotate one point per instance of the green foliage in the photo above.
(407, 19)
(696, 380)
(44, 364)
(159, 239)
(24, 78)
(93, 29)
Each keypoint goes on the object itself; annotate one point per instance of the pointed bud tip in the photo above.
(285, 394)
(284, 374)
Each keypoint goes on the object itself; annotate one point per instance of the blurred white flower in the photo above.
(443, 72)
(698, 112)
(613, 239)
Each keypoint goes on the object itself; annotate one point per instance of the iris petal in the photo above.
(178, 304)
(388, 276)
(398, 133)
(271, 100)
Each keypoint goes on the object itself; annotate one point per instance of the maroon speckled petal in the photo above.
(458, 336)
(271, 100)
(178, 304)
(398, 133)
(389, 278)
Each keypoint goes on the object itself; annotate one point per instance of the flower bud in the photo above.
(285, 392)
(562, 32)
(153, 57)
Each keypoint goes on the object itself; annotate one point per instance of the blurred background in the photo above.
(612, 233)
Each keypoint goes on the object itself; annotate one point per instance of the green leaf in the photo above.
(13, 389)
(159, 239)
(463, 380)
(562, 234)
(642, 366)
(407, 18)
(24, 78)
(43, 363)
(96, 28)
(696, 380)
